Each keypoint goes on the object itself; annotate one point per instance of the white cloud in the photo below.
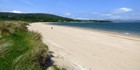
(123, 10)
(117, 13)
(81, 18)
(111, 16)
(67, 14)
(16, 11)
(120, 13)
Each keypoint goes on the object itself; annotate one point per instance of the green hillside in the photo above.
(41, 17)
(33, 17)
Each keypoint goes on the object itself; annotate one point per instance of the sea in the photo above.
(128, 28)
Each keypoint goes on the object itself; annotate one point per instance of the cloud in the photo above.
(81, 18)
(67, 14)
(16, 11)
(111, 16)
(123, 10)
(117, 13)
(120, 13)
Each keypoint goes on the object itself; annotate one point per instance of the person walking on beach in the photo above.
(51, 27)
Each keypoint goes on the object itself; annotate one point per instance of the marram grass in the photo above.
(20, 49)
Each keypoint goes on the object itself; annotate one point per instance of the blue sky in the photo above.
(79, 9)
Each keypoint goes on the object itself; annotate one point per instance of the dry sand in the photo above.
(79, 49)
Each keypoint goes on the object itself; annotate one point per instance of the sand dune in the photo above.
(79, 49)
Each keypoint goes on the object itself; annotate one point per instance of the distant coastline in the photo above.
(41, 17)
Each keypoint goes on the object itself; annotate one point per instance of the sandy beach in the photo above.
(79, 49)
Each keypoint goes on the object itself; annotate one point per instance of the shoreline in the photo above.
(111, 33)
(98, 30)
(82, 49)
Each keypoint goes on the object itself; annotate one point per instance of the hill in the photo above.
(33, 17)
(41, 17)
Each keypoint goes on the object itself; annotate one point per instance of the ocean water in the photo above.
(119, 27)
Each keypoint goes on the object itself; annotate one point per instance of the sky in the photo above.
(78, 9)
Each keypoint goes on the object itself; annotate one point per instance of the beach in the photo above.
(81, 49)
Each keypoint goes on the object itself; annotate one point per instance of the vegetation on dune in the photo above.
(57, 68)
(21, 49)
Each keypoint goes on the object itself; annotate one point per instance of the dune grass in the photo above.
(20, 49)
(58, 68)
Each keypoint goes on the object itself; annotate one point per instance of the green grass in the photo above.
(58, 68)
(20, 49)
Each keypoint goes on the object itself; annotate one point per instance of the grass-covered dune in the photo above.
(21, 49)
